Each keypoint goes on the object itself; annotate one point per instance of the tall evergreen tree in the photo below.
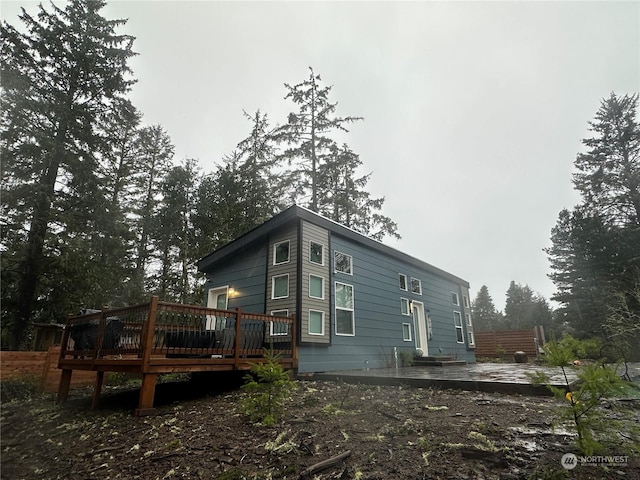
(608, 174)
(484, 313)
(525, 309)
(595, 252)
(308, 133)
(154, 151)
(342, 196)
(61, 79)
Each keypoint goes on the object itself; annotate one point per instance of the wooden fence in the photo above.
(40, 366)
(507, 342)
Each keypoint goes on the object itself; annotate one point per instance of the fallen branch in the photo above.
(325, 464)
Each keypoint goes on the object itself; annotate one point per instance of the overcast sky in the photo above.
(473, 111)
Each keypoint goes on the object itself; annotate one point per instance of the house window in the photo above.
(403, 282)
(457, 320)
(466, 301)
(315, 253)
(470, 338)
(277, 329)
(343, 263)
(281, 252)
(454, 298)
(345, 324)
(316, 322)
(416, 286)
(406, 332)
(468, 319)
(280, 286)
(404, 306)
(316, 287)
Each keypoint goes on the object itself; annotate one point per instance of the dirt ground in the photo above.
(388, 432)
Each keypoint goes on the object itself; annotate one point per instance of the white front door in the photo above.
(420, 328)
(217, 299)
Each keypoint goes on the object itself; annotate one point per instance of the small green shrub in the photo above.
(406, 358)
(268, 386)
(582, 401)
(23, 388)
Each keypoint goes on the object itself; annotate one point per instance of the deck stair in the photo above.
(437, 361)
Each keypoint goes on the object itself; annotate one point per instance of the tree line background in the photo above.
(97, 211)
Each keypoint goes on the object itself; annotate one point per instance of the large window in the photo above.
(457, 320)
(343, 263)
(316, 322)
(281, 252)
(316, 287)
(280, 286)
(315, 253)
(345, 324)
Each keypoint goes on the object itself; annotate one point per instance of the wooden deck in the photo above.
(161, 337)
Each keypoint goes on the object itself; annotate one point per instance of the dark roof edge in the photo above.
(297, 211)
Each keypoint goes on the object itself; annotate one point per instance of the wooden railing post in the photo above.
(65, 340)
(236, 352)
(294, 340)
(148, 332)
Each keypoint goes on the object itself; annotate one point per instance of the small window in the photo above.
(345, 324)
(406, 332)
(280, 286)
(468, 318)
(343, 263)
(403, 282)
(404, 306)
(277, 329)
(315, 253)
(457, 320)
(281, 252)
(416, 286)
(466, 301)
(316, 287)
(470, 338)
(454, 298)
(316, 322)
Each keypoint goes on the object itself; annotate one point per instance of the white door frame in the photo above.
(212, 302)
(419, 327)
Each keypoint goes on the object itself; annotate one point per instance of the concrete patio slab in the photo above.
(485, 377)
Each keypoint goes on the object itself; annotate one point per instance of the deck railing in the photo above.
(170, 330)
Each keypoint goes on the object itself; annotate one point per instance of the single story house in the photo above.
(358, 303)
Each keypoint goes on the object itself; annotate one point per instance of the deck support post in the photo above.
(237, 343)
(147, 393)
(97, 388)
(65, 384)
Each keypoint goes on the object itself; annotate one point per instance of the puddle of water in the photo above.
(542, 431)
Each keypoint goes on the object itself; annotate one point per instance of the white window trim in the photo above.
(309, 323)
(322, 259)
(352, 310)
(471, 337)
(280, 334)
(419, 285)
(406, 282)
(408, 325)
(273, 286)
(467, 317)
(321, 278)
(458, 327)
(457, 301)
(350, 272)
(466, 301)
(275, 246)
(402, 300)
